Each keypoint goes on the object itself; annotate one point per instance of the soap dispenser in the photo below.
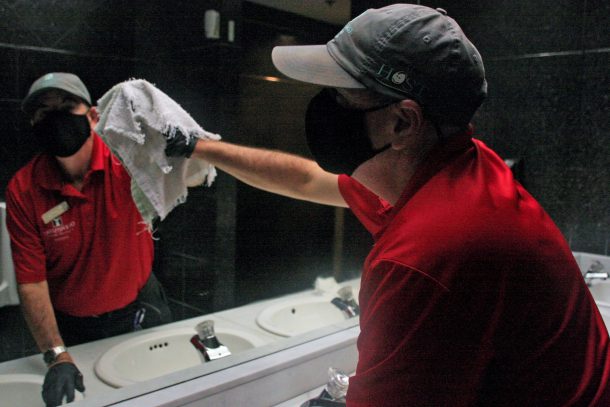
(334, 393)
(207, 342)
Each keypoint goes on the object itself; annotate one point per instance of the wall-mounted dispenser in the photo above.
(211, 24)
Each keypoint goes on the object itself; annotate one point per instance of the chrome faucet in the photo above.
(595, 272)
(207, 343)
(346, 302)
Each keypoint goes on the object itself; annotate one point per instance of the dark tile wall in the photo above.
(546, 64)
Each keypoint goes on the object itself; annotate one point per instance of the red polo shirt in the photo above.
(97, 254)
(471, 296)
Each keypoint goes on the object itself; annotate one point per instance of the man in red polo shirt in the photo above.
(82, 255)
(470, 295)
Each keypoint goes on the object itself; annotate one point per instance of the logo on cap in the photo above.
(399, 77)
(399, 80)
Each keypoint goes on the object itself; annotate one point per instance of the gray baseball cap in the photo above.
(402, 51)
(55, 80)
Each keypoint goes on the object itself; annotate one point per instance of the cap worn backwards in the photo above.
(55, 80)
(401, 51)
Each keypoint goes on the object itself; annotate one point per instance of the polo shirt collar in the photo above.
(437, 159)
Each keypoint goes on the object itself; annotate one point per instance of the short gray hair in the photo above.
(362, 99)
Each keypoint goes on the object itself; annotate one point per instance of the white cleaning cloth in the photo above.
(134, 115)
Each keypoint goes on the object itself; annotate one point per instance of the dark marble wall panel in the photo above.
(86, 26)
(593, 205)
(527, 115)
(9, 85)
(507, 27)
(534, 112)
(596, 22)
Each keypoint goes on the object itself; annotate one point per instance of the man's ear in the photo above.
(93, 115)
(409, 123)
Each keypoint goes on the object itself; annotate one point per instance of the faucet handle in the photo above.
(345, 293)
(337, 384)
(205, 329)
(596, 270)
(596, 267)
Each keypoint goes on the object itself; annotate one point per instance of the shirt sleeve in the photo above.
(26, 246)
(370, 209)
(413, 350)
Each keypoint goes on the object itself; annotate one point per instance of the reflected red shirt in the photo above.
(97, 255)
(471, 296)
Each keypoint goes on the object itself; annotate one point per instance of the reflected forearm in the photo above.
(281, 173)
(39, 315)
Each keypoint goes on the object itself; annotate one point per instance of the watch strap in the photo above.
(50, 356)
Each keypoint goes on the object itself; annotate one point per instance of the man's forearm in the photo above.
(281, 173)
(39, 315)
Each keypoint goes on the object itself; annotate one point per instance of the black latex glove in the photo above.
(179, 145)
(60, 381)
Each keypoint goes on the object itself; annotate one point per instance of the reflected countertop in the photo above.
(86, 355)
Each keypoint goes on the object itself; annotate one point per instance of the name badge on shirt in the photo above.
(54, 212)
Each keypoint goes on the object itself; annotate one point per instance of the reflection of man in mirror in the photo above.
(82, 256)
(470, 295)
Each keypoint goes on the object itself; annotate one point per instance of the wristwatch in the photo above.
(51, 355)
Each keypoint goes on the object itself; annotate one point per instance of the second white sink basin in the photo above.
(152, 355)
(296, 316)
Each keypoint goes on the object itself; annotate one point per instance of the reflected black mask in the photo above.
(336, 135)
(61, 133)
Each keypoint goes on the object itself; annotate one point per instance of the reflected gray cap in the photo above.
(55, 80)
(403, 51)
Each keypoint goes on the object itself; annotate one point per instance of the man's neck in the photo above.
(76, 166)
(388, 173)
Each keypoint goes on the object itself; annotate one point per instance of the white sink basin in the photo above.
(158, 353)
(296, 316)
(24, 390)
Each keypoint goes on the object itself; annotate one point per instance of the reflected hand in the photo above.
(60, 381)
(179, 144)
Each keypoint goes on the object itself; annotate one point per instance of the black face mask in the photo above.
(337, 135)
(61, 133)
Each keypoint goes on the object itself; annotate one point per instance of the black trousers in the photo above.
(149, 309)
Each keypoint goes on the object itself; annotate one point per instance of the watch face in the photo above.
(49, 356)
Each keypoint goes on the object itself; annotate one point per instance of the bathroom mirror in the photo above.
(229, 245)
